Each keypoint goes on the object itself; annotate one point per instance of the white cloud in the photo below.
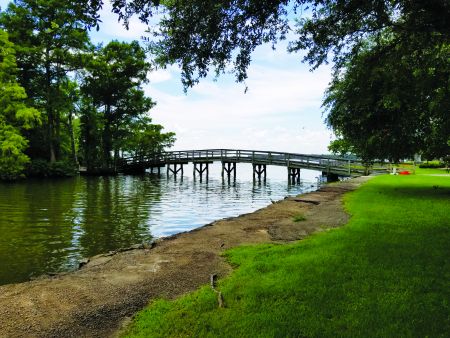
(159, 76)
(271, 92)
(281, 110)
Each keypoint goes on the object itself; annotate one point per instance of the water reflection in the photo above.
(49, 225)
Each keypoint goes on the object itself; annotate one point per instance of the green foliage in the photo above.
(432, 164)
(15, 116)
(389, 98)
(147, 138)
(90, 134)
(386, 106)
(341, 147)
(113, 82)
(228, 32)
(55, 58)
(12, 147)
(43, 168)
(51, 39)
(385, 274)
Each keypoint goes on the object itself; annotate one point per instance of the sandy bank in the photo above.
(93, 301)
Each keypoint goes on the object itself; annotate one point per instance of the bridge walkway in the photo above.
(174, 160)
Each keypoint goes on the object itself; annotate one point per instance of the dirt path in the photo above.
(95, 300)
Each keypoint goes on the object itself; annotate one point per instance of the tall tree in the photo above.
(146, 138)
(113, 81)
(201, 35)
(90, 134)
(385, 106)
(15, 116)
(51, 38)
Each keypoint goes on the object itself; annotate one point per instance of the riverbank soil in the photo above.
(95, 300)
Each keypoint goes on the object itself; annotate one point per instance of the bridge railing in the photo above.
(317, 162)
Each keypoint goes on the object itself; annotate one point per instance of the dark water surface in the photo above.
(48, 225)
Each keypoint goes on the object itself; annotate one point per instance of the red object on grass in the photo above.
(405, 172)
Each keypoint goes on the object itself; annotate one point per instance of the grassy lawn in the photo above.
(385, 274)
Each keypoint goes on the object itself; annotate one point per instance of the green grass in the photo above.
(385, 274)
(430, 171)
(298, 218)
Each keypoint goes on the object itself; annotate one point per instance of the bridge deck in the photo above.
(328, 164)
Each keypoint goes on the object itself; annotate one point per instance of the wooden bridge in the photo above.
(330, 166)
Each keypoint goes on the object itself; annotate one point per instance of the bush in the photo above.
(434, 164)
(42, 168)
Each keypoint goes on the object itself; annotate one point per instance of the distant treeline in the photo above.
(65, 102)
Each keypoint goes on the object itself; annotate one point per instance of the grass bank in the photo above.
(385, 274)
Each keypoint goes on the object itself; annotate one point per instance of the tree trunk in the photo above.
(72, 140)
(49, 109)
(107, 142)
(57, 134)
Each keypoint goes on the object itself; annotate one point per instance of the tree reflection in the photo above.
(48, 225)
(116, 212)
(35, 233)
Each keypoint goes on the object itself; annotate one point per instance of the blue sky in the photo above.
(281, 110)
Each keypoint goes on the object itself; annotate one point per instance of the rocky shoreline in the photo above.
(97, 299)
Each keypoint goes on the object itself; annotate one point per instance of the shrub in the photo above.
(434, 164)
(42, 168)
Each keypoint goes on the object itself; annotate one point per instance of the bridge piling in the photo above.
(175, 170)
(201, 170)
(229, 168)
(259, 170)
(158, 169)
(293, 175)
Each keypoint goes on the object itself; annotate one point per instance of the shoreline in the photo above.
(94, 300)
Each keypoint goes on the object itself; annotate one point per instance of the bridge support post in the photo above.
(175, 168)
(293, 175)
(229, 168)
(158, 169)
(201, 168)
(259, 170)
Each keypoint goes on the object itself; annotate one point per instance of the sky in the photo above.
(281, 110)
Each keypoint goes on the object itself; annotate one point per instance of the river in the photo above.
(49, 225)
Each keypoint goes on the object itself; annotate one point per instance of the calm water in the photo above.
(49, 225)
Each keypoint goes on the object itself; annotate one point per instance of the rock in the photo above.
(149, 245)
(83, 262)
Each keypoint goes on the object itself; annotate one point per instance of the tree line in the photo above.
(65, 101)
